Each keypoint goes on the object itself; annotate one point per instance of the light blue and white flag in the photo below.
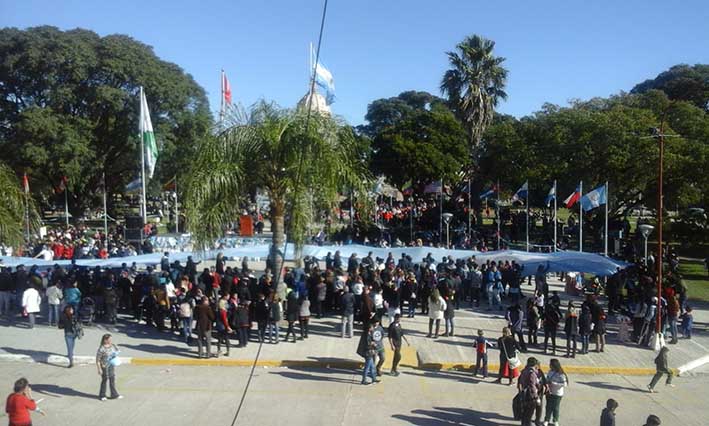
(593, 199)
(550, 196)
(324, 79)
(521, 193)
(133, 186)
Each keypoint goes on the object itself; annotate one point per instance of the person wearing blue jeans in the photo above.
(368, 351)
(71, 331)
(187, 328)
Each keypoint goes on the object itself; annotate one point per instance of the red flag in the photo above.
(573, 198)
(226, 89)
(26, 184)
(62, 184)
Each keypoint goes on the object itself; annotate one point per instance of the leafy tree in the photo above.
(415, 137)
(291, 157)
(475, 84)
(69, 107)
(681, 82)
(12, 209)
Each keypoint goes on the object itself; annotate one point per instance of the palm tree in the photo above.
(299, 161)
(12, 208)
(474, 84)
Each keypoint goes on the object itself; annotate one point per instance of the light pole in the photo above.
(646, 230)
(447, 218)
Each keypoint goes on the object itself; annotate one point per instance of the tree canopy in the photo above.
(69, 107)
(681, 82)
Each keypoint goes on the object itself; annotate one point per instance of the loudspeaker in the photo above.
(134, 222)
(134, 234)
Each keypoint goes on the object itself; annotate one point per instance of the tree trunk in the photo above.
(276, 254)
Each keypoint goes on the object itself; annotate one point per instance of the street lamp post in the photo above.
(645, 230)
(447, 218)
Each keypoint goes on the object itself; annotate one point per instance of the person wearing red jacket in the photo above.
(19, 403)
(223, 328)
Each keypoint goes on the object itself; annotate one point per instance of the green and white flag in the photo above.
(146, 132)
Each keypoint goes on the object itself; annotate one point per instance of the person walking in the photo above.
(105, 364)
(571, 328)
(481, 344)
(367, 349)
(19, 404)
(31, 301)
(508, 348)
(396, 334)
(348, 310)
(557, 381)
(436, 308)
(662, 368)
(72, 331)
(54, 299)
(608, 413)
(205, 317)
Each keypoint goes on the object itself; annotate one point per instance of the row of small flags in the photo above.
(589, 201)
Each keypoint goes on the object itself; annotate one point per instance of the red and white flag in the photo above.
(25, 184)
(62, 184)
(226, 90)
(573, 198)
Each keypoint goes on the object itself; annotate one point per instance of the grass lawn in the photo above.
(695, 277)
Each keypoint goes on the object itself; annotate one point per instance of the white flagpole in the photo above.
(554, 217)
(142, 158)
(105, 209)
(440, 215)
(470, 228)
(580, 217)
(222, 103)
(66, 203)
(177, 210)
(498, 215)
(527, 202)
(605, 240)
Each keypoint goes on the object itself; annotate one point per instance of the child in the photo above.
(662, 368)
(687, 323)
(481, 344)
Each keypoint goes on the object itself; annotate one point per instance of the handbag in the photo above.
(514, 362)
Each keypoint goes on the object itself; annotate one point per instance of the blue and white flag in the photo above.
(593, 199)
(324, 79)
(134, 186)
(489, 193)
(550, 196)
(521, 193)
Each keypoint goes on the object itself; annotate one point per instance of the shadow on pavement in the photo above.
(59, 391)
(37, 356)
(160, 349)
(317, 376)
(453, 415)
(464, 377)
(602, 385)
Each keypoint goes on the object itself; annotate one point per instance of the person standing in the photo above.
(19, 404)
(292, 310)
(205, 317)
(223, 327)
(261, 316)
(304, 317)
(528, 387)
(396, 334)
(31, 301)
(367, 349)
(105, 356)
(557, 381)
(481, 344)
(449, 317)
(186, 303)
(54, 298)
(436, 308)
(585, 327)
(662, 368)
(515, 321)
(571, 328)
(275, 313)
(532, 323)
(348, 310)
(508, 350)
(551, 323)
(378, 338)
(608, 413)
(673, 311)
(72, 331)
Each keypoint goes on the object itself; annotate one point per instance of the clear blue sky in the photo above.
(555, 50)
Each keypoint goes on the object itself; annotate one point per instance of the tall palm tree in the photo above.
(12, 208)
(299, 161)
(475, 84)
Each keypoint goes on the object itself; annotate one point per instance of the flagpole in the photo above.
(25, 184)
(440, 215)
(470, 227)
(142, 158)
(221, 105)
(66, 204)
(527, 202)
(105, 209)
(177, 210)
(554, 217)
(580, 217)
(605, 241)
(498, 216)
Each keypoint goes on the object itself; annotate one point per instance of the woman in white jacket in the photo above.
(436, 308)
(30, 304)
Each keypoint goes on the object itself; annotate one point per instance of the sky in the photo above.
(555, 50)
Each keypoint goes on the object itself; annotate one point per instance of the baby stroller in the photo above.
(87, 311)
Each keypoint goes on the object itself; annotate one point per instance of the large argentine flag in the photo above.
(595, 198)
(324, 79)
(146, 132)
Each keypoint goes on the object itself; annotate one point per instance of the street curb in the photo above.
(335, 364)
